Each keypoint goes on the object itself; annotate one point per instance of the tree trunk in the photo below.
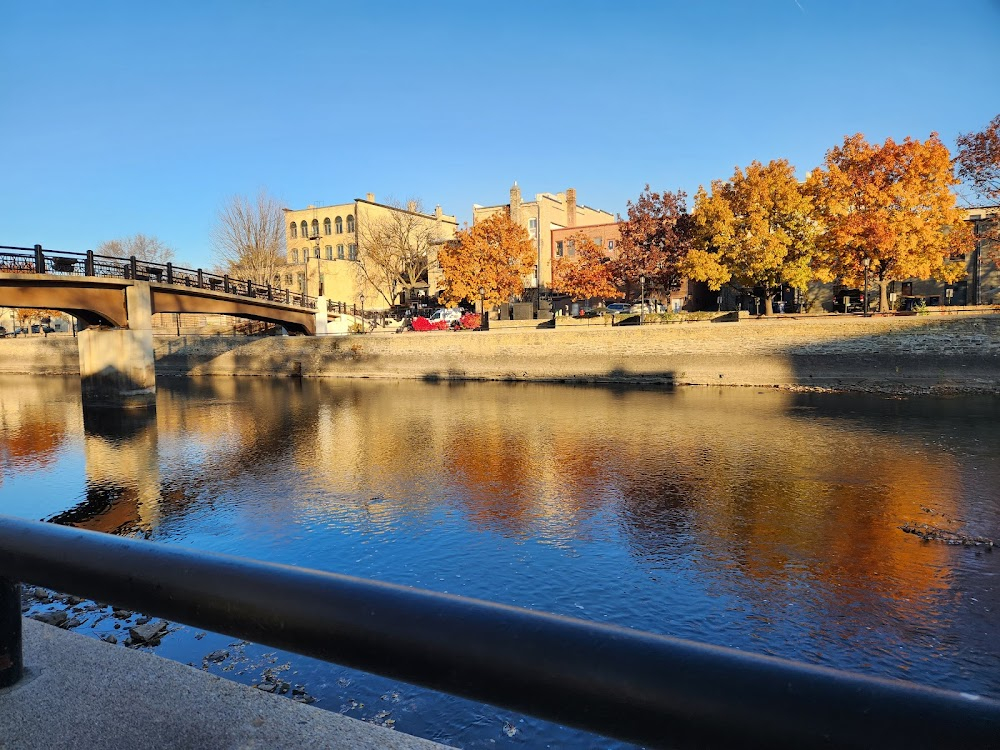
(883, 298)
(768, 306)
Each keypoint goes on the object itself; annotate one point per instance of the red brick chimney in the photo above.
(571, 207)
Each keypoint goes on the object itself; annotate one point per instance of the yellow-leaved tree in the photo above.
(757, 229)
(586, 275)
(892, 205)
(493, 255)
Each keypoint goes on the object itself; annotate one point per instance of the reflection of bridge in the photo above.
(115, 299)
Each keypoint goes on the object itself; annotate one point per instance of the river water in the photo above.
(762, 520)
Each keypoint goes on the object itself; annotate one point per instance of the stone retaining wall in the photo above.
(948, 352)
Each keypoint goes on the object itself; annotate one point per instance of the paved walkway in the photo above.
(82, 693)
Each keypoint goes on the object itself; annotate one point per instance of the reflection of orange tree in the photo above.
(33, 419)
(826, 511)
(34, 443)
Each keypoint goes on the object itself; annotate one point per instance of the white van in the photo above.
(448, 314)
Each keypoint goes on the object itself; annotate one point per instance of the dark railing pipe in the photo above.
(88, 264)
(641, 687)
(11, 664)
(39, 260)
(170, 273)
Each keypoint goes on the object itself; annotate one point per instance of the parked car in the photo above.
(35, 328)
(48, 329)
(448, 314)
(618, 308)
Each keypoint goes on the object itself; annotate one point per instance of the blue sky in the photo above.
(118, 118)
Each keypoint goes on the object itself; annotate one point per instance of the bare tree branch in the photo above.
(249, 238)
(144, 247)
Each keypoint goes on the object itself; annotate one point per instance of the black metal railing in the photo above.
(629, 684)
(66, 263)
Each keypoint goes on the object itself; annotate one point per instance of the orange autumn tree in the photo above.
(892, 204)
(758, 229)
(586, 275)
(493, 255)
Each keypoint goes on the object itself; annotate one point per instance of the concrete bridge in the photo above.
(115, 298)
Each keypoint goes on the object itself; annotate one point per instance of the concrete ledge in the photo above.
(83, 693)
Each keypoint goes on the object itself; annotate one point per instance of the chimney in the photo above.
(571, 207)
(411, 206)
(370, 197)
(438, 213)
(515, 203)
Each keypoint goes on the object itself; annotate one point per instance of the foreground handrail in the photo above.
(624, 683)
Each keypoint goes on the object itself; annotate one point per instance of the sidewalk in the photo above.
(82, 693)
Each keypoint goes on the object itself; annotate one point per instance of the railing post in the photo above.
(201, 280)
(170, 273)
(88, 264)
(133, 265)
(225, 283)
(11, 656)
(270, 294)
(39, 260)
(288, 297)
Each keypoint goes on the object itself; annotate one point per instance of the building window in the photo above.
(353, 250)
(288, 279)
(294, 230)
(350, 223)
(316, 251)
(295, 255)
(315, 228)
(339, 223)
(340, 252)
(599, 241)
(571, 248)
(559, 249)
(326, 226)
(533, 228)
(611, 244)
(302, 281)
(305, 230)
(329, 252)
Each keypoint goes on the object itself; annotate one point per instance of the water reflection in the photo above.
(759, 519)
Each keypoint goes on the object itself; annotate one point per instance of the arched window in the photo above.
(353, 250)
(340, 252)
(350, 223)
(329, 251)
(326, 226)
(315, 229)
(340, 225)
(295, 255)
(294, 230)
(305, 230)
(316, 251)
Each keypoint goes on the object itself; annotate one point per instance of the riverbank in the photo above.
(917, 353)
(79, 692)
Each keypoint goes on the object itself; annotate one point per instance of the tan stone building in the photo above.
(336, 250)
(547, 212)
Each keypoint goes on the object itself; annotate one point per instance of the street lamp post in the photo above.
(642, 296)
(362, 298)
(484, 316)
(864, 303)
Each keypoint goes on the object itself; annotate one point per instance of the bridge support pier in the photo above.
(117, 365)
(321, 316)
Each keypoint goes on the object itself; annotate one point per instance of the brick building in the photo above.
(546, 213)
